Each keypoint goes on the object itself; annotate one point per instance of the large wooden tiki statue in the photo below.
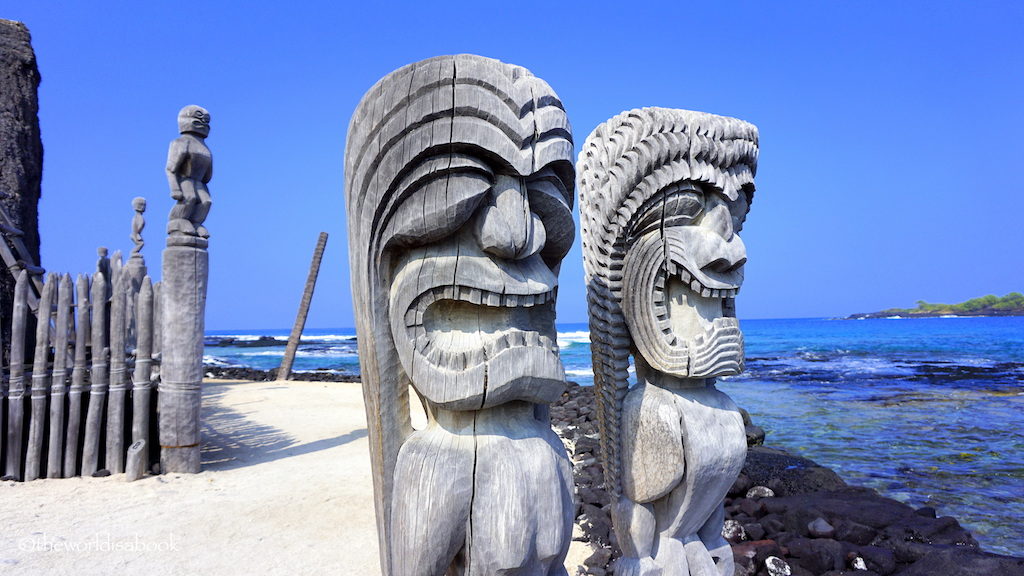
(664, 194)
(459, 185)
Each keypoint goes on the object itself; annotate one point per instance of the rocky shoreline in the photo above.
(254, 375)
(785, 515)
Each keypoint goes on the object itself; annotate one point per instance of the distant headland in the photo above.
(1010, 305)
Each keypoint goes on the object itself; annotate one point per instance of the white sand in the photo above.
(285, 488)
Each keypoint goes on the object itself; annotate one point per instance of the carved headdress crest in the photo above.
(629, 170)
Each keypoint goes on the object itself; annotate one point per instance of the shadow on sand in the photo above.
(232, 440)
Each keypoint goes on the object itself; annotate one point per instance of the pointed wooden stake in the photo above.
(100, 375)
(40, 382)
(118, 378)
(16, 393)
(77, 376)
(58, 386)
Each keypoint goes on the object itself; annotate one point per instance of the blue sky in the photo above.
(891, 133)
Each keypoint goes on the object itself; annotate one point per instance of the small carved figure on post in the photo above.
(138, 223)
(103, 261)
(189, 169)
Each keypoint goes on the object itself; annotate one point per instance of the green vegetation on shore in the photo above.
(1010, 305)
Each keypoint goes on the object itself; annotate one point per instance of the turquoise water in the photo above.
(928, 411)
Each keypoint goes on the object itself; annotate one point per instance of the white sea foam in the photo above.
(209, 360)
(587, 372)
(328, 338)
(566, 339)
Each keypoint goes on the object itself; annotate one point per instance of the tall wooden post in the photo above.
(40, 382)
(16, 392)
(55, 454)
(78, 373)
(141, 384)
(183, 295)
(185, 271)
(118, 379)
(300, 319)
(99, 376)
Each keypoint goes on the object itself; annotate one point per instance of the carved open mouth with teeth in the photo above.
(682, 316)
(459, 327)
(479, 331)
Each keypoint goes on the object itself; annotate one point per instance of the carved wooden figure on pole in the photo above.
(189, 170)
(459, 192)
(663, 196)
(183, 293)
(136, 271)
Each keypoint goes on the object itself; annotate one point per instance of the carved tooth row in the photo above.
(474, 296)
(514, 338)
(695, 285)
(548, 343)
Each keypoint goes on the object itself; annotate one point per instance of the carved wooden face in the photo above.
(473, 312)
(683, 269)
(460, 193)
(195, 120)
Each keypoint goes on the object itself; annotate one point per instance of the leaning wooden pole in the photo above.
(100, 375)
(58, 387)
(78, 373)
(40, 382)
(300, 319)
(118, 378)
(141, 385)
(16, 392)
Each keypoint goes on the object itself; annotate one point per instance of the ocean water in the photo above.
(927, 411)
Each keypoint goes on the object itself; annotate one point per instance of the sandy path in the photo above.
(285, 488)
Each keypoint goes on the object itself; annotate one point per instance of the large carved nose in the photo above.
(717, 217)
(506, 227)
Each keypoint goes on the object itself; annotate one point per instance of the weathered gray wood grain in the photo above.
(141, 384)
(185, 273)
(58, 386)
(16, 389)
(40, 382)
(99, 376)
(118, 377)
(78, 376)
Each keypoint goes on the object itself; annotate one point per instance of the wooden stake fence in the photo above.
(86, 321)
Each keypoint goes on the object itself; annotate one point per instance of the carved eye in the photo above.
(548, 201)
(683, 204)
(679, 204)
(438, 197)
